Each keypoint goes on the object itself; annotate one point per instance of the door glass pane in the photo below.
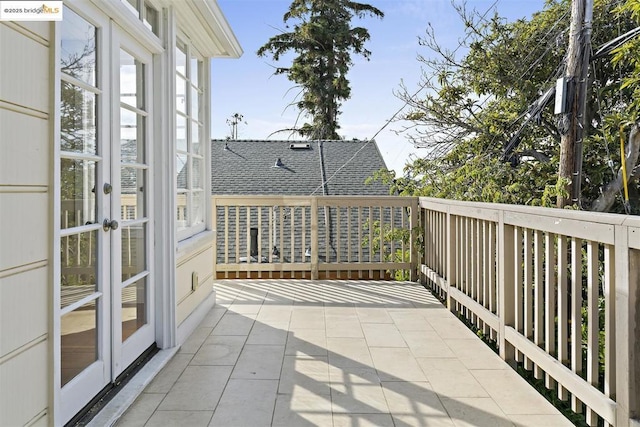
(182, 171)
(181, 94)
(128, 79)
(78, 48)
(194, 70)
(181, 213)
(131, 137)
(77, 119)
(77, 192)
(133, 250)
(198, 173)
(132, 184)
(181, 60)
(79, 340)
(181, 132)
(195, 103)
(78, 258)
(131, 81)
(198, 207)
(134, 307)
(197, 148)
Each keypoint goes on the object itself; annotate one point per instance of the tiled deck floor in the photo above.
(335, 353)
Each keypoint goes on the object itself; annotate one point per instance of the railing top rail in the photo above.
(278, 200)
(595, 217)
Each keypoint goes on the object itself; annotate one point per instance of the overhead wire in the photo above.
(388, 121)
(443, 148)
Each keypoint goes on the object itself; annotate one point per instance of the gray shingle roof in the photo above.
(247, 167)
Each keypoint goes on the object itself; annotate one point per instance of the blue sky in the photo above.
(247, 85)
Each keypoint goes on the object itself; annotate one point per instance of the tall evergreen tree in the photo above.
(323, 39)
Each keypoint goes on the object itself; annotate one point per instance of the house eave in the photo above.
(209, 29)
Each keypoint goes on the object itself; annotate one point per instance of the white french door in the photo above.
(106, 314)
(133, 319)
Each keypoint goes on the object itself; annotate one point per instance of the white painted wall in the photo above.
(25, 222)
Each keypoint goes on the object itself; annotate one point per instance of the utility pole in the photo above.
(570, 169)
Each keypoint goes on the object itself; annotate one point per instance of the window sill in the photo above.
(194, 243)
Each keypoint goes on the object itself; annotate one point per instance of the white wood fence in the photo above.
(316, 237)
(558, 291)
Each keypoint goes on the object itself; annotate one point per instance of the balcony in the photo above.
(307, 331)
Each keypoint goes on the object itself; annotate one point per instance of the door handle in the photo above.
(109, 225)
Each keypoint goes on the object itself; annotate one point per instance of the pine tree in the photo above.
(323, 39)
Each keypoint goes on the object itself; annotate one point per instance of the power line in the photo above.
(406, 103)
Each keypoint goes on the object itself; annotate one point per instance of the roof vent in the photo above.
(279, 163)
(300, 146)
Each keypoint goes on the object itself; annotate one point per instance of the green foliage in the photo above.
(393, 252)
(323, 39)
(476, 104)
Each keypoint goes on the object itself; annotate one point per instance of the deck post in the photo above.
(627, 328)
(314, 238)
(414, 222)
(506, 295)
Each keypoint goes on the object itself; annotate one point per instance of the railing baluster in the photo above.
(538, 296)
(248, 237)
(381, 209)
(259, 239)
(360, 240)
(237, 260)
(338, 237)
(281, 238)
(314, 238)
(226, 238)
(292, 234)
(519, 284)
(576, 315)
(550, 301)
(563, 321)
(528, 291)
(486, 268)
(609, 291)
(593, 327)
(349, 237)
(370, 240)
(303, 239)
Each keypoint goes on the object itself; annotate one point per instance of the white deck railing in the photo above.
(314, 237)
(557, 290)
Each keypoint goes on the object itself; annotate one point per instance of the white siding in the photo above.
(25, 247)
(25, 377)
(24, 223)
(22, 298)
(24, 137)
(201, 262)
(25, 74)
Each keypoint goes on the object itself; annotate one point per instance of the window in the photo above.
(190, 149)
(146, 13)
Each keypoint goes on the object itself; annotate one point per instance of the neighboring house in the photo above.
(104, 256)
(292, 168)
(249, 167)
